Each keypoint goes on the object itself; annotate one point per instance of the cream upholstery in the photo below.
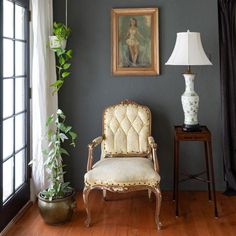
(122, 172)
(126, 130)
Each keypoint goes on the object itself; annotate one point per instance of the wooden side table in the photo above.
(204, 136)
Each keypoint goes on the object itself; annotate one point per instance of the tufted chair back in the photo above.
(126, 128)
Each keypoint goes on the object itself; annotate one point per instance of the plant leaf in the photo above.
(61, 60)
(60, 113)
(57, 89)
(50, 120)
(69, 53)
(57, 83)
(60, 51)
(73, 144)
(63, 137)
(68, 128)
(73, 135)
(66, 66)
(62, 127)
(63, 151)
(65, 74)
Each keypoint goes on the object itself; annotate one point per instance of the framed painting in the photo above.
(135, 41)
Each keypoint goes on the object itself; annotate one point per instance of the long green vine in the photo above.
(57, 131)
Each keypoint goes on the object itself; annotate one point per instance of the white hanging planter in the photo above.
(55, 42)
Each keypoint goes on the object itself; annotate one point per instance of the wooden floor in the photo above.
(133, 214)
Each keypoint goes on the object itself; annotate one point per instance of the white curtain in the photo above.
(43, 73)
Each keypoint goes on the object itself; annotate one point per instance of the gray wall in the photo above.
(92, 86)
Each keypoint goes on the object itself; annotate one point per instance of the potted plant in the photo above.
(57, 202)
(60, 35)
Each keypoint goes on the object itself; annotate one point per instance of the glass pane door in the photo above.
(14, 113)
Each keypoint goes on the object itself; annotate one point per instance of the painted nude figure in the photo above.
(132, 40)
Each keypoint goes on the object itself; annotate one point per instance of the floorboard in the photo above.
(132, 214)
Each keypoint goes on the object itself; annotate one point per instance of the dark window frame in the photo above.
(14, 199)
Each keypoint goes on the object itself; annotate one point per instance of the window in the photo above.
(14, 109)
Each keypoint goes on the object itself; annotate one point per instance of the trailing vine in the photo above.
(62, 33)
(58, 132)
(63, 57)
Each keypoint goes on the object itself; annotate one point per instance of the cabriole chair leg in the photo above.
(86, 192)
(157, 193)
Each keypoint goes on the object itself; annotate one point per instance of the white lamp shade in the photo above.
(188, 50)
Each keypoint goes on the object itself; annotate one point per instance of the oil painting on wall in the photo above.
(135, 41)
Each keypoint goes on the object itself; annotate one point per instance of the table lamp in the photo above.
(188, 51)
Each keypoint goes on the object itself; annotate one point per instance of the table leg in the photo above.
(208, 172)
(209, 147)
(177, 178)
(174, 176)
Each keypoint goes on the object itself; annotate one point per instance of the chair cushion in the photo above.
(126, 130)
(122, 171)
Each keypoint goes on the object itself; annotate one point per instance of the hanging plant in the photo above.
(61, 33)
(63, 65)
(56, 203)
(57, 131)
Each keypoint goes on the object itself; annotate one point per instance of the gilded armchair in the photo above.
(128, 155)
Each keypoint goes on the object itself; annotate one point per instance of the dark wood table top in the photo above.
(203, 135)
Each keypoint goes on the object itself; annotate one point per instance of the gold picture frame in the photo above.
(135, 41)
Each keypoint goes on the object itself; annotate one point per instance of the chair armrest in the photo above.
(95, 142)
(91, 146)
(154, 146)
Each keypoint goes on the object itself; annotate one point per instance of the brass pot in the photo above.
(57, 211)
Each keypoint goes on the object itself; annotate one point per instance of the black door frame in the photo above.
(22, 195)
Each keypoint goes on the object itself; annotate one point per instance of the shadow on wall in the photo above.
(162, 131)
